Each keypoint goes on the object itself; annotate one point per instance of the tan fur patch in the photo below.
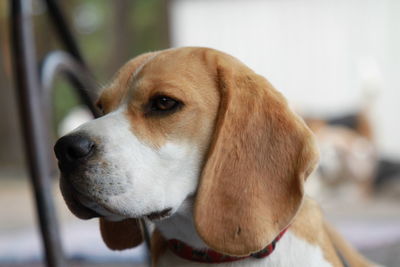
(111, 96)
(252, 184)
(310, 225)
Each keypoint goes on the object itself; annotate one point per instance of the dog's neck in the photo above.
(181, 226)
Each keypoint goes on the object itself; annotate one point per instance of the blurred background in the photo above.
(337, 62)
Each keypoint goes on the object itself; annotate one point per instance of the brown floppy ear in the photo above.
(121, 235)
(252, 182)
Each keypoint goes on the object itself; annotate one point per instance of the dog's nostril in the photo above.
(73, 147)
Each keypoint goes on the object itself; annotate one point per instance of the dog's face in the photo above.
(191, 123)
(144, 156)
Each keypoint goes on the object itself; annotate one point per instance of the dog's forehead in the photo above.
(161, 70)
(181, 73)
(112, 94)
(172, 65)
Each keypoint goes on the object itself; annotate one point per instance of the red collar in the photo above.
(211, 256)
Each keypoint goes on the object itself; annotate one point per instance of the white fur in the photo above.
(181, 226)
(290, 251)
(130, 178)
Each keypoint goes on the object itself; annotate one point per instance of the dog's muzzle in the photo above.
(85, 191)
(73, 152)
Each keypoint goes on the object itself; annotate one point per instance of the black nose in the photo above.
(71, 149)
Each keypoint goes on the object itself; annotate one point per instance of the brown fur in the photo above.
(113, 94)
(252, 183)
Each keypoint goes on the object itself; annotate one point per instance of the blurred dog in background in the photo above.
(349, 158)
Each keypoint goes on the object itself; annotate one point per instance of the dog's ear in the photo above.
(121, 235)
(261, 153)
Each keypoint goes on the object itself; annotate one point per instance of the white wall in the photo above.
(325, 56)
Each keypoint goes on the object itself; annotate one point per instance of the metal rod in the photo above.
(35, 130)
(33, 99)
(62, 29)
(66, 37)
(61, 63)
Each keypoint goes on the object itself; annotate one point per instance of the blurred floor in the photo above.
(373, 226)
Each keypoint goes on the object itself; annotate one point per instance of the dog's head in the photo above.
(189, 123)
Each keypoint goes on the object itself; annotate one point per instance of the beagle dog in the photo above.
(197, 143)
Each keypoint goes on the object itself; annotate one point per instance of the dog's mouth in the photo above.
(73, 203)
(85, 208)
(159, 215)
(153, 216)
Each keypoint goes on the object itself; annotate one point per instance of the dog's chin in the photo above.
(85, 208)
(74, 204)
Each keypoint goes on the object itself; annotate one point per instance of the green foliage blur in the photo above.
(108, 34)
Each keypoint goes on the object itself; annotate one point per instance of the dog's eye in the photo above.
(164, 104)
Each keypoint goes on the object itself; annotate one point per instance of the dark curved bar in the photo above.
(62, 29)
(66, 37)
(61, 63)
(35, 130)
